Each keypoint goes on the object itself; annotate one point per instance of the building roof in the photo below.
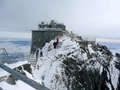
(48, 29)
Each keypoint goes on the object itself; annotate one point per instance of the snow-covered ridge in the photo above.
(62, 68)
(76, 65)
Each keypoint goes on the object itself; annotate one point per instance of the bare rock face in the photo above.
(11, 80)
(82, 76)
(117, 65)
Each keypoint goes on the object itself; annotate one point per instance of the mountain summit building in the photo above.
(45, 33)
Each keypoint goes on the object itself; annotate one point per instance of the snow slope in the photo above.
(19, 86)
(12, 66)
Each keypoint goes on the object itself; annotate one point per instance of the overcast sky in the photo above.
(93, 18)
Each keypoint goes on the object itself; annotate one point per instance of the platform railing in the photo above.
(23, 78)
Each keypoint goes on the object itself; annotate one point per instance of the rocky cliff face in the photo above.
(78, 65)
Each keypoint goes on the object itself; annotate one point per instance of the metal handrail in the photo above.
(23, 78)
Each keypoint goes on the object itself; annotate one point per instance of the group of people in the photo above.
(40, 52)
(37, 53)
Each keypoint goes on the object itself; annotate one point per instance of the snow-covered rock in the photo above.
(76, 65)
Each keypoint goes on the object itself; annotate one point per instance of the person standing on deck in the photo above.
(41, 53)
(57, 39)
(55, 44)
(37, 52)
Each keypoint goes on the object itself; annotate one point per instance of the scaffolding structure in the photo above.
(3, 52)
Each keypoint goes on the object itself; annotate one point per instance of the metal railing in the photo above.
(23, 78)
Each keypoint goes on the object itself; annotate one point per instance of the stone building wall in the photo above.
(40, 37)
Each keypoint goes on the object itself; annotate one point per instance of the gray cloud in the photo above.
(95, 18)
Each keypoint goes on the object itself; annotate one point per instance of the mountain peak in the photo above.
(68, 66)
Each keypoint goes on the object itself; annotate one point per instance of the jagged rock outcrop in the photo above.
(117, 65)
(77, 65)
